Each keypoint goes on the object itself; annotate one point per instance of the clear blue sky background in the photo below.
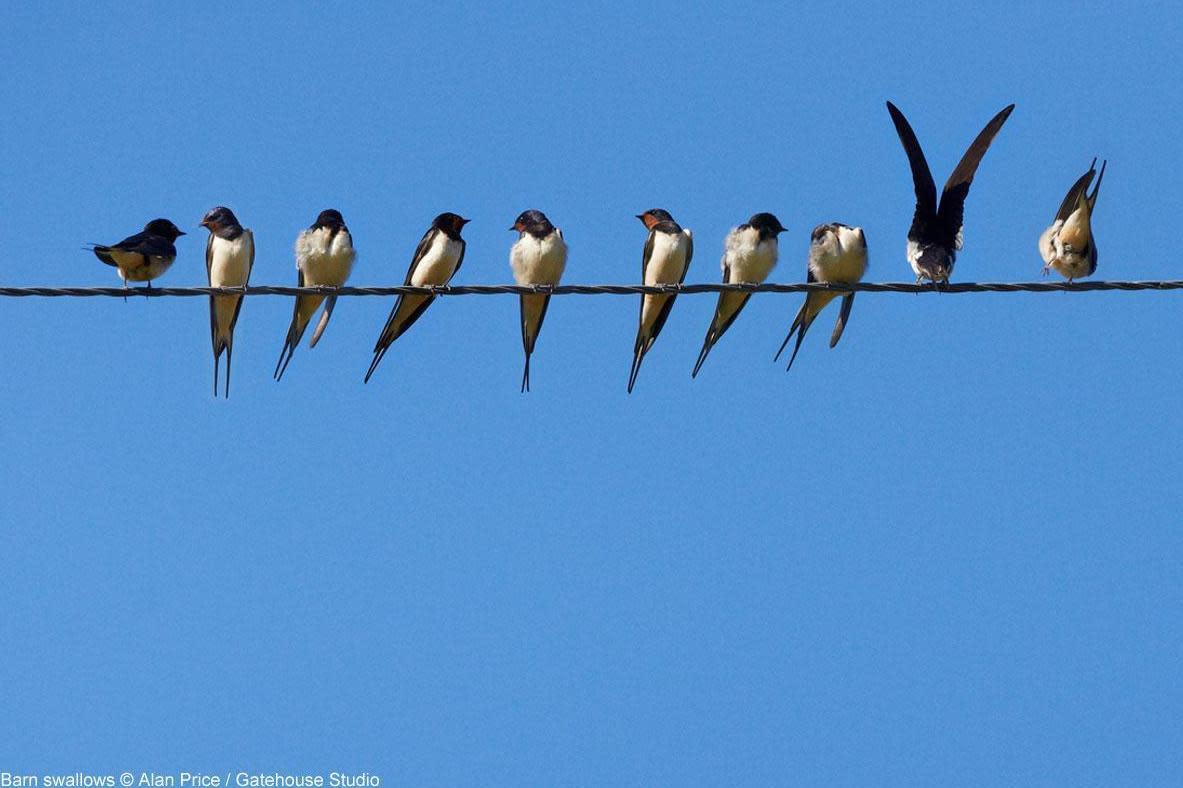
(945, 552)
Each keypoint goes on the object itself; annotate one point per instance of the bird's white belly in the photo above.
(439, 263)
(537, 261)
(753, 264)
(230, 261)
(667, 262)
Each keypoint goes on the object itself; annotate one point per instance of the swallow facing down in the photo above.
(324, 258)
(144, 256)
(1068, 245)
(229, 257)
(437, 259)
(666, 260)
(837, 253)
(935, 235)
(538, 257)
(749, 254)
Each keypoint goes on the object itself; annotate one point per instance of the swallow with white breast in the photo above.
(936, 232)
(837, 253)
(324, 258)
(436, 260)
(538, 257)
(229, 257)
(749, 255)
(144, 256)
(1068, 246)
(666, 259)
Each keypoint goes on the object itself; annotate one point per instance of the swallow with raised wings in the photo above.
(837, 253)
(229, 257)
(749, 255)
(1068, 246)
(324, 258)
(935, 235)
(666, 259)
(538, 257)
(436, 260)
(144, 256)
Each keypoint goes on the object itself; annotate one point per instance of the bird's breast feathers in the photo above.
(230, 261)
(325, 261)
(749, 258)
(667, 262)
(538, 260)
(438, 263)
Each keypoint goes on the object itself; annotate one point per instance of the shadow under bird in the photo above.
(749, 255)
(837, 253)
(1068, 245)
(436, 260)
(666, 259)
(229, 258)
(144, 256)
(538, 257)
(935, 235)
(324, 258)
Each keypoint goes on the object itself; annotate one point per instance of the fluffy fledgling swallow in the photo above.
(144, 256)
(666, 259)
(749, 255)
(229, 257)
(837, 253)
(324, 258)
(1068, 245)
(538, 257)
(935, 235)
(437, 259)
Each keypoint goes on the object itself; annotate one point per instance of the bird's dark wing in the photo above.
(1092, 198)
(956, 188)
(1073, 196)
(926, 188)
(420, 250)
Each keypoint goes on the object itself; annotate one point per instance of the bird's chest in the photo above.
(667, 263)
(438, 264)
(538, 261)
(229, 262)
(753, 262)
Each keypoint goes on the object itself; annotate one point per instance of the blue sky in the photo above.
(945, 552)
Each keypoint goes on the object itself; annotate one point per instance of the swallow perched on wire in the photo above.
(229, 257)
(666, 259)
(935, 235)
(144, 256)
(538, 257)
(324, 258)
(837, 253)
(436, 260)
(749, 255)
(1068, 245)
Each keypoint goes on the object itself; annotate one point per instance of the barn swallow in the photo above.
(668, 252)
(749, 255)
(144, 256)
(935, 235)
(437, 259)
(1068, 245)
(538, 257)
(229, 257)
(837, 253)
(324, 258)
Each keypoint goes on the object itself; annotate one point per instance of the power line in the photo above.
(459, 290)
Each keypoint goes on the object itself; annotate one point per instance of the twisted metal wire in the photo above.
(459, 290)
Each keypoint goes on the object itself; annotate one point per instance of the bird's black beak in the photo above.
(181, 232)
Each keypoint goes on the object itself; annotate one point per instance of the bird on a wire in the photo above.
(324, 258)
(144, 256)
(936, 232)
(1068, 245)
(229, 258)
(538, 257)
(665, 260)
(837, 253)
(437, 258)
(749, 255)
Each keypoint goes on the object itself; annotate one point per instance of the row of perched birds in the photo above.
(838, 253)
